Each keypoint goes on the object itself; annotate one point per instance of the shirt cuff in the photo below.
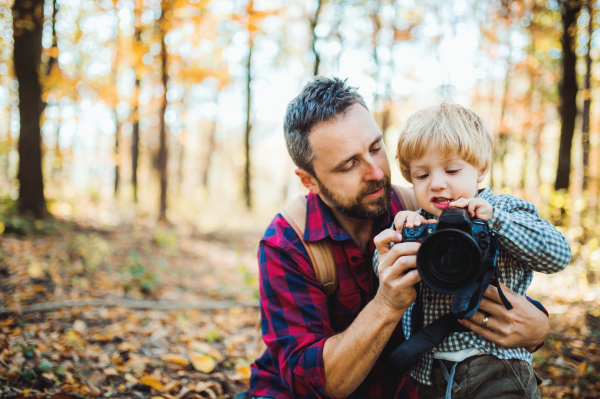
(500, 222)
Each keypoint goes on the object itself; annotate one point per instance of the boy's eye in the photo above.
(452, 171)
(423, 176)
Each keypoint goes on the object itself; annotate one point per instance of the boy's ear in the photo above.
(308, 181)
(481, 175)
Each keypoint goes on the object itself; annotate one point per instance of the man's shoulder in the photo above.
(279, 234)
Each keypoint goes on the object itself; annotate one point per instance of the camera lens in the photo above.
(449, 260)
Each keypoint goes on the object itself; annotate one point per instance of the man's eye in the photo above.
(348, 167)
(376, 150)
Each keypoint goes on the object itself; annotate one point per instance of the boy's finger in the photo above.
(399, 221)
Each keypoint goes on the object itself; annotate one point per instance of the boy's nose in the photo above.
(437, 184)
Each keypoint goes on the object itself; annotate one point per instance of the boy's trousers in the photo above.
(484, 376)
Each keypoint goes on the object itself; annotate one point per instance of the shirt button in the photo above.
(429, 298)
(497, 225)
(354, 259)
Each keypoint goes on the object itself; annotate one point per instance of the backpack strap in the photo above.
(407, 198)
(319, 252)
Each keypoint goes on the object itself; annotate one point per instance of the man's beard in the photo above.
(361, 207)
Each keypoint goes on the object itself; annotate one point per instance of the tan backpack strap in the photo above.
(407, 198)
(319, 252)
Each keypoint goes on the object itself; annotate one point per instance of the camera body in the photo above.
(455, 253)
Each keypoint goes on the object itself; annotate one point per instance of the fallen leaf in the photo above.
(35, 270)
(581, 368)
(243, 372)
(79, 326)
(151, 382)
(127, 346)
(110, 371)
(129, 378)
(183, 391)
(203, 363)
(172, 358)
(170, 386)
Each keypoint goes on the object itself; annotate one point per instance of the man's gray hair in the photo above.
(321, 100)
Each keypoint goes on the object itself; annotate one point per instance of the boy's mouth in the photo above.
(441, 202)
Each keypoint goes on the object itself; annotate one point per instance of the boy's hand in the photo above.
(477, 207)
(411, 219)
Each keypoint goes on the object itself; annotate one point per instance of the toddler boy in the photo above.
(445, 151)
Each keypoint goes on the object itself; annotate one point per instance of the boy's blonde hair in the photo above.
(450, 128)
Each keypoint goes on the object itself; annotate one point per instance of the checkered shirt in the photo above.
(527, 244)
(298, 317)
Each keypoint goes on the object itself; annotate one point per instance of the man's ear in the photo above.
(308, 181)
(481, 175)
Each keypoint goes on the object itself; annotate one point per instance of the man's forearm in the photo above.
(349, 356)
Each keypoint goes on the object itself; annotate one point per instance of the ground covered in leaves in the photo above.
(100, 351)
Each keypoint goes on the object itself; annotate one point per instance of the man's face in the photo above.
(439, 180)
(351, 165)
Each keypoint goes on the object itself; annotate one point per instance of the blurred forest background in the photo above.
(142, 156)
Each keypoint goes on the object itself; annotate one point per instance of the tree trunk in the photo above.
(209, 153)
(501, 142)
(117, 127)
(135, 135)
(587, 100)
(568, 95)
(28, 19)
(162, 151)
(313, 25)
(180, 162)
(247, 189)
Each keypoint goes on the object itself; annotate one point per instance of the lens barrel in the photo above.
(449, 260)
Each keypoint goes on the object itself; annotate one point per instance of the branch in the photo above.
(128, 303)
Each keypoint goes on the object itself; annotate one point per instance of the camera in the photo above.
(455, 253)
(457, 256)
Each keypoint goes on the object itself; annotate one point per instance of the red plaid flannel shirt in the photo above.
(297, 315)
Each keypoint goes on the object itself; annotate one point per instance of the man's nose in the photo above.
(374, 172)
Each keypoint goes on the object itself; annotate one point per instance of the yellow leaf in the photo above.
(243, 372)
(174, 359)
(151, 382)
(203, 363)
(129, 378)
(2, 227)
(581, 368)
(35, 270)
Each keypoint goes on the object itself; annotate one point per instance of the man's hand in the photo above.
(411, 219)
(523, 326)
(477, 207)
(397, 271)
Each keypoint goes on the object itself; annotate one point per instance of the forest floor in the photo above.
(126, 351)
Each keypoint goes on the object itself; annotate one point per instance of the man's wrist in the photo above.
(386, 312)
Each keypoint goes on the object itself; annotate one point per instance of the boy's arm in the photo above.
(526, 236)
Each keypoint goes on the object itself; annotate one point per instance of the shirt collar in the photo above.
(320, 222)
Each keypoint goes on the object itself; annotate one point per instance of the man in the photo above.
(338, 346)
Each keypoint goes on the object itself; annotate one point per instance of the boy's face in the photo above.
(439, 180)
